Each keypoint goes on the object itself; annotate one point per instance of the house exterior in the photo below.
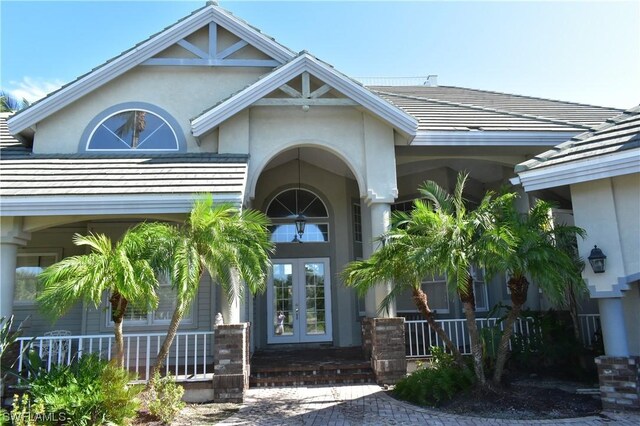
(212, 105)
(601, 168)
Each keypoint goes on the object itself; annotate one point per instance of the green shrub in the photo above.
(88, 392)
(435, 384)
(166, 400)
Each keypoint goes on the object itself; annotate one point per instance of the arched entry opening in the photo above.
(305, 301)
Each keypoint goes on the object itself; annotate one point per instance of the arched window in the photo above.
(133, 127)
(287, 205)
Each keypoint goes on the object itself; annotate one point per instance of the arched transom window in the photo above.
(285, 207)
(133, 129)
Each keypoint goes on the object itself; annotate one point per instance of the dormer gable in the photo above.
(210, 36)
(305, 82)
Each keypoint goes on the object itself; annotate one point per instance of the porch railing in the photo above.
(420, 337)
(190, 356)
(590, 330)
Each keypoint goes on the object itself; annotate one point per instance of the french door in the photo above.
(299, 301)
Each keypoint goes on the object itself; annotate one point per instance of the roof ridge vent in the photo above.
(429, 81)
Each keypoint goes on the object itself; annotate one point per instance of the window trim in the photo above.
(151, 321)
(100, 118)
(45, 251)
(297, 189)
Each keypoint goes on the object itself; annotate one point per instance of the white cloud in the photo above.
(32, 89)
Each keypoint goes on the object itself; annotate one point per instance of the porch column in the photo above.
(614, 331)
(380, 221)
(12, 237)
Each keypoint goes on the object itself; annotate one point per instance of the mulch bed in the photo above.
(532, 399)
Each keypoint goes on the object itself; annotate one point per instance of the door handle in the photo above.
(297, 310)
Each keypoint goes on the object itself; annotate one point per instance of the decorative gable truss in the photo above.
(213, 46)
(229, 42)
(305, 91)
(307, 82)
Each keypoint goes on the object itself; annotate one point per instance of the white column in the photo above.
(380, 221)
(12, 237)
(614, 332)
(231, 308)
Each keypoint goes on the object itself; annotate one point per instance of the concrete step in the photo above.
(293, 380)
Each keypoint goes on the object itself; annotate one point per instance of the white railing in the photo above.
(190, 356)
(420, 337)
(589, 328)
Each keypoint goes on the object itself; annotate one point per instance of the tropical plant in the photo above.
(460, 239)
(121, 270)
(535, 254)
(166, 401)
(9, 103)
(90, 391)
(434, 384)
(231, 245)
(404, 259)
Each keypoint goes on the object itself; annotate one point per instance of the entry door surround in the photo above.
(299, 301)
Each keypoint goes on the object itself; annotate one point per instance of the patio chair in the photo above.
(57, 347)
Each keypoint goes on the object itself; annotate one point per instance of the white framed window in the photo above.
(285, 207)
(357, 223)
(29, 264)
(437, 293)
(161, 316)
(480, 289)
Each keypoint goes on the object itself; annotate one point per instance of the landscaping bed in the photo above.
(526, 400)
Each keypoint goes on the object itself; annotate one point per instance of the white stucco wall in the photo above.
(608, 209)
(184, 92)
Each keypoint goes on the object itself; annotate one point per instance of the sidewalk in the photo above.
(368, 405)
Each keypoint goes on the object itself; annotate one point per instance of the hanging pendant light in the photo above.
(300, 220)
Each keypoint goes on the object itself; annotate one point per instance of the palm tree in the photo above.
(9, 103)
(121, 270)
(536, 254)
(405, 260)
(228, 243)
(460, 240)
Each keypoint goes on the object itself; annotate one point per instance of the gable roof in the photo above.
(142, 51)
(449, 108)
(610, 149)
(304, 62)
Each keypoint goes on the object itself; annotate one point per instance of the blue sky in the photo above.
(576, 51)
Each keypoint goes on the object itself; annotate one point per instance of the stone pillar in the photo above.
(231, 362)
(380, 221)
(619, 382)
(12, 237)
(388, 353)
(367, 336)
(614, 331)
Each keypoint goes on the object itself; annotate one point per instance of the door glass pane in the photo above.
(314, 291)
(283, 299)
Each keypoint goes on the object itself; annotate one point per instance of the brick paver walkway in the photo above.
(368, 405)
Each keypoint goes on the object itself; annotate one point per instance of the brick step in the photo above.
(310, 370)
(281, 381)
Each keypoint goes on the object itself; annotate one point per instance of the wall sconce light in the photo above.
(597, 260)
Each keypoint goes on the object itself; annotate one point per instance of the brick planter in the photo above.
(619, 382)
(231, 362)
(388, 357)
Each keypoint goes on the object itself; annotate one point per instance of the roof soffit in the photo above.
(304, 63)
(142, 52)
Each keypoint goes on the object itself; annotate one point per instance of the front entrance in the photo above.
(299, 301)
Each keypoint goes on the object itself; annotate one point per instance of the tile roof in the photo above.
(448, 108)
(9, 146)
(39, 175)
(617, 134)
